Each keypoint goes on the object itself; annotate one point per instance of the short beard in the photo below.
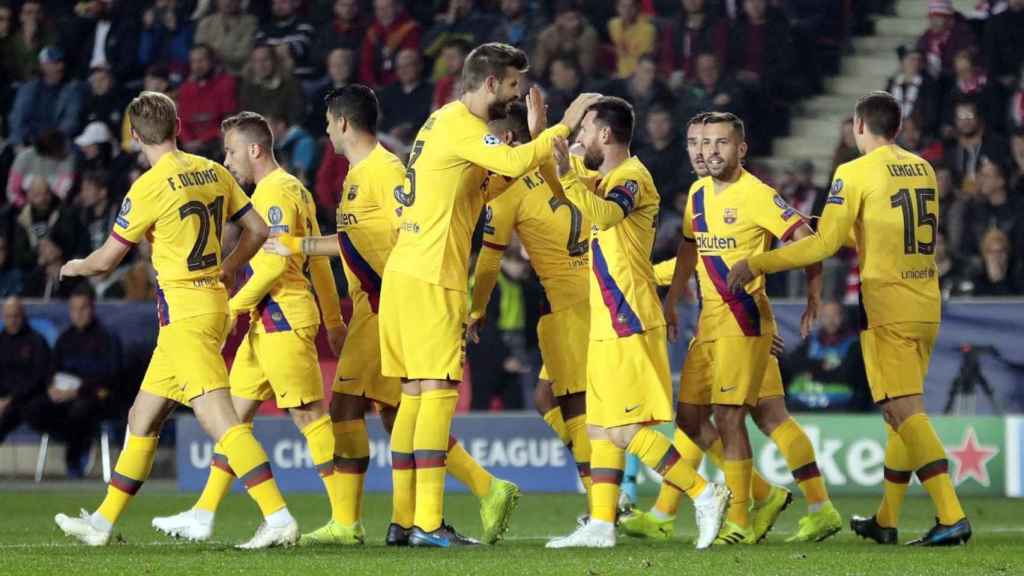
(592, 159)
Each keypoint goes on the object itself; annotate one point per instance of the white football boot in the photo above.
(593, 534)
(82, 529)
(187, 525)
(710, 512)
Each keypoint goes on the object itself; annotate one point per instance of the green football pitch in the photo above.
(30, 543)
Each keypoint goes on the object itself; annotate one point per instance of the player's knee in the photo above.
(770, 416)
(621, 436)
(306, 414)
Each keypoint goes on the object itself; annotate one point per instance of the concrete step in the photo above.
(884, 64)
(828, 105)
(865, 45)
(777, 166)
(816, 126)
(820, 144)
(901, 26)
(855, 86)
(912, 8)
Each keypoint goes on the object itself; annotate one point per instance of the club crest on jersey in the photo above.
(126, 207)
(275, 215)
(729, 216)
(352, 191)
(491, 140)
(837, 186)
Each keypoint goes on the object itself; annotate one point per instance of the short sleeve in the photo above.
(774, 214)
(499, 219)
(135, 218)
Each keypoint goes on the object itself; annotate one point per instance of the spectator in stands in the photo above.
(695, 31)
(1002, 47)
(329, 178)
(665, 147)
(86, 361)
(994, 208)
(94, 148)
(973, 141)
(405, 104)
(24, 366)
(710, 91)
(518, 25)
(632, 34)
(21, 49)
(48, 102)
(104, 33)
(104, 102)
(49, 160)
(1017, 152)
(461, 20)
(291, 37)
(11, 277)
(207, 98)
(449, 87)
(569, 35)
(341, 71)
(94, 210)
(970, 81)
(846, 148)
(1016, 113)
(138, 284)
(566, 83)
(826, 373)
(294, 148)
(917, 92)
(800, 191)
(230, 33)
(643, 89)
(8, 66)
(157, 79)
(346, 30)
(166, 38)
(391, 32)
(912, 138)
(268, 88)
(43, 217)
(994, 277)
(947, 34)
(950, 268)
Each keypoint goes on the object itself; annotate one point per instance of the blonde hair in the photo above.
(153, 117)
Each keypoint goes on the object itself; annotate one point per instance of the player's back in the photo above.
(623, 294)
(553, 232)
(367, 222)
(181, 205)
(897, 218)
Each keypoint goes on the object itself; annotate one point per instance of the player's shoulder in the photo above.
(632, 175)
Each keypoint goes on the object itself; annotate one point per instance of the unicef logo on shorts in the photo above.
(275, 215)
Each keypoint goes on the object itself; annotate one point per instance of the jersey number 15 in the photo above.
(904, 201)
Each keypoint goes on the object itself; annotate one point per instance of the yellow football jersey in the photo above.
(446, 186)
(552, 231)
(367, 222)
(729, 226)
(624, 213)
(888, 198)
(181, 205)
(275, 290)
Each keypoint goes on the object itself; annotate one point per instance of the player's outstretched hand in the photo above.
(809, 316)
(578, 109)
(70, 269)
(739, 276)
(336, 338)
(560, 153)
(536, 111)
(474, 327)
(778, 346)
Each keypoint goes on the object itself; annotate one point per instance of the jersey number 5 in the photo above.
(904, 202)
(196, 259)
(408, 198)
(575, 245)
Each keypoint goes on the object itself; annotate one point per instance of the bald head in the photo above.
(14, 315)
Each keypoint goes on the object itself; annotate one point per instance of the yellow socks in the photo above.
(799, 454)
(218, 483)
(465, 469)
(759, 487)
(249, 461)
(430, 452)
(403, 465)
(579, 443)
(606, 464)
(929, 461)
(351, 458)
(320, 439)
(897, 470)
(132, 469)
(669, 496)
(554, 419)
(654, 450)
(737, 478)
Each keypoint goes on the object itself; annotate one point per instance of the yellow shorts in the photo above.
(422, 329)
(187, 362)
(730, 371)
(896, 358)
(359, 370)
(563, 339)
(628, 380)
(279, 365)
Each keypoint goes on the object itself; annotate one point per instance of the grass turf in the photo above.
(30, 543)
